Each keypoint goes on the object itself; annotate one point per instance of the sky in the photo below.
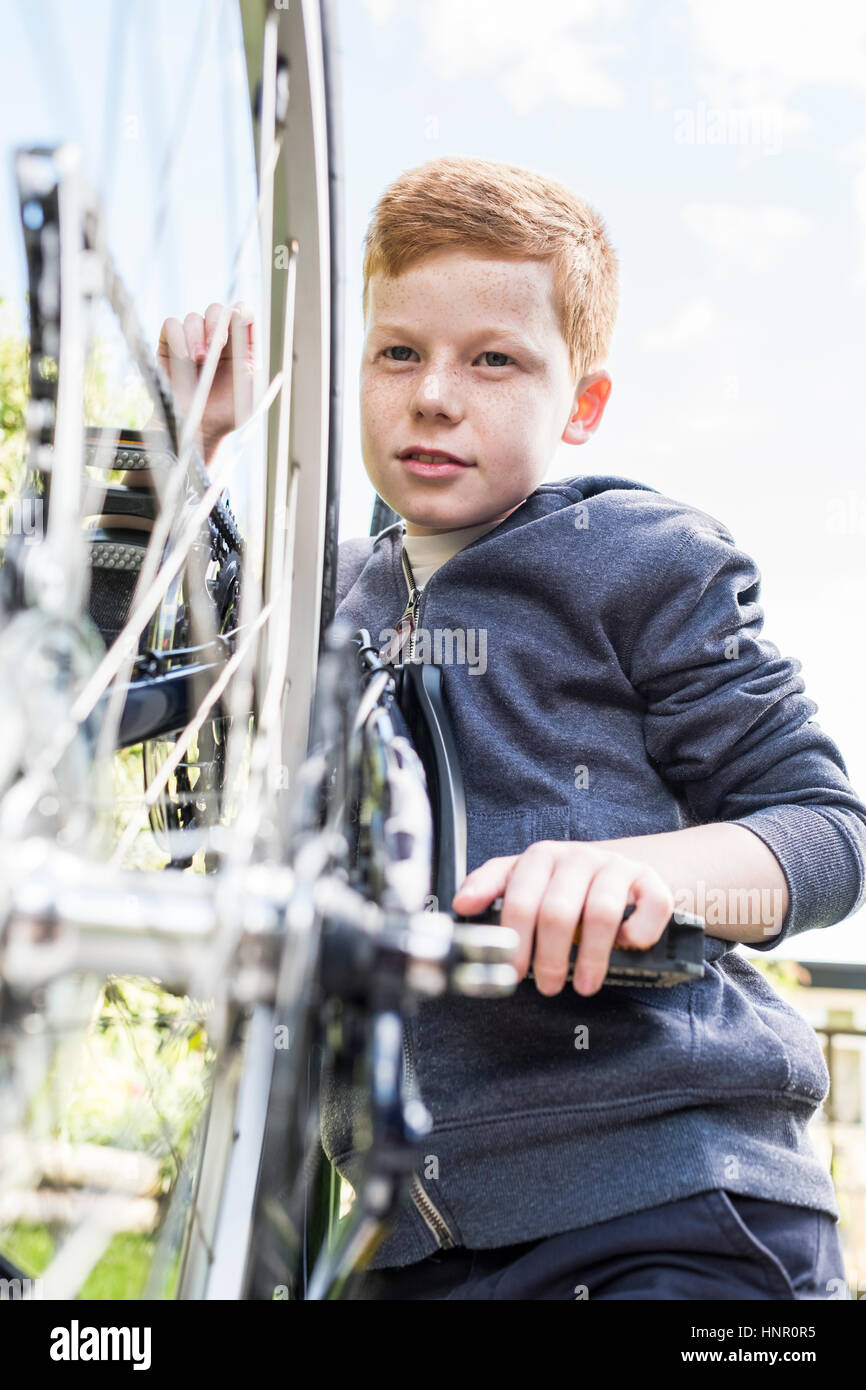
(723, 144)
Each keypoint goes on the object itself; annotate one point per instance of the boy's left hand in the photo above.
(181, 351)
(556, 886)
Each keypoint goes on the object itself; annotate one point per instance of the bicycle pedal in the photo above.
(137, 454)
(116, 507)
(676, 958)
(135, 450)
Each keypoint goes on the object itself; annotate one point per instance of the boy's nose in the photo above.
(437, 394)
(431, 387)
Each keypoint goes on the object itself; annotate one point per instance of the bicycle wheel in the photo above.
(233, 193)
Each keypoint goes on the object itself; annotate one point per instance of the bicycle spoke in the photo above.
(187, 90)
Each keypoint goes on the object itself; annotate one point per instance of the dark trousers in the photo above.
(714, 1245)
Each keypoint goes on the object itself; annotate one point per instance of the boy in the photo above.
(628, 738)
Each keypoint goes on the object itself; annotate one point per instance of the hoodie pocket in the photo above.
(747, 1038)
(494, 833)
(599, 816)
(752, 1038)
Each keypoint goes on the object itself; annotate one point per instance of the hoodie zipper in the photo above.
(431, 1215)
(427, 1208)
(408, 620)
(425, 1205)
(413, 607)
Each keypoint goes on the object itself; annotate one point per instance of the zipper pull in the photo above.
(404, 630)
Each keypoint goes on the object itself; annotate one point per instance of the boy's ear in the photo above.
(590, 399)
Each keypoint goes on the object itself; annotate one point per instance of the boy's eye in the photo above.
(397, 348)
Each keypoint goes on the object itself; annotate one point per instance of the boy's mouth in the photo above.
(432, 463)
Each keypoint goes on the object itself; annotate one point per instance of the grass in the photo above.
(121, 1274)
(141, 1084)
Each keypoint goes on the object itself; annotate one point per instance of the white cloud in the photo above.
(571, 72)
(770, 48)
(855, 153)
(759, 55)
(859, 200)
(755, 235)
(692, 324)
(549, 51)
(719, 420)
(382, 10)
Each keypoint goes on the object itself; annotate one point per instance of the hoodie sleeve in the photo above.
(729, 726)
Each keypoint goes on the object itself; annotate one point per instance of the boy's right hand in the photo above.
(181, 351)
(559, 891)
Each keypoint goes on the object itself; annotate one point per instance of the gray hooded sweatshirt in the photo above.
(613, 682)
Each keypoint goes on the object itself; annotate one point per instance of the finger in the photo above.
(526, 886)
(483, 885)
(653, 910)
(193, 327)
(603, 909)
(172, 340)
(243, 328)
(557, 921)
(242, 313)
(216, 325)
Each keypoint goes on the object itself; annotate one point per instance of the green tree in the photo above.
(14, 357)
(114, 394)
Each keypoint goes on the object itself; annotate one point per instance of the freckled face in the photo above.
(464, 354)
